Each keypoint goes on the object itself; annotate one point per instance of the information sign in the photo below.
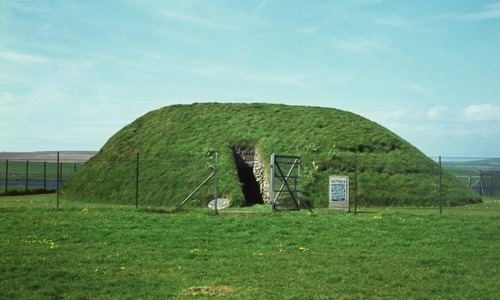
(339, 193)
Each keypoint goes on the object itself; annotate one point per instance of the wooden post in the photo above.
(57, 180)
(6, 174)
(216, 179)
(137, 181)
(440, 191)
(44, 175)
(355, 185)
(27, 171)
(491, 184)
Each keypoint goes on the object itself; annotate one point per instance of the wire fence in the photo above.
(24, 171)
(480, 174)
(143, 179)
(171, 177)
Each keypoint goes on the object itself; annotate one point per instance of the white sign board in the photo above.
(339, 193)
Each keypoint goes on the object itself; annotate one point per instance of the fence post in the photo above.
(27, 171)
(44, 175)
(216, 179)
(440, 191)
(491, 184)
(57, 179)
(6, 174)
(355, 184)
(481, 189)
(271, 184)
(137, 181)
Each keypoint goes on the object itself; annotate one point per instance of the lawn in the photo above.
(111, 251)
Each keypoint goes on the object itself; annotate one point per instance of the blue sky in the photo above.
(75, 72)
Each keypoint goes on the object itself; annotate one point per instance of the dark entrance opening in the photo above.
(245, 159)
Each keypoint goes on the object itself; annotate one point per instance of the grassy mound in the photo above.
(177, 146)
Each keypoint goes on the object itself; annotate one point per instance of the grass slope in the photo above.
(83, 251)
(177, 145)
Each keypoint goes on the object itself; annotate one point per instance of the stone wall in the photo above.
(261, 177)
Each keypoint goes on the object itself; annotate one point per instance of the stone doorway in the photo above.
(255, 185)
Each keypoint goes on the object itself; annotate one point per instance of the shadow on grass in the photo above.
(162, 210)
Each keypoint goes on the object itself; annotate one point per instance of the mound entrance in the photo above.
(255, 185)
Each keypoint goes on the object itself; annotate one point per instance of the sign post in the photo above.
(339, 193)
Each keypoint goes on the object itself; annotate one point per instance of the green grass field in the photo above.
(82, 251)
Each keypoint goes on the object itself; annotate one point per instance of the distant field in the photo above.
(111, 251)
(66, 156)
(467, 167)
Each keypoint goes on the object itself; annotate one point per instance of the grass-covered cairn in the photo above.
(177, 146)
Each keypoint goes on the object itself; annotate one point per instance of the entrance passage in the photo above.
(244, 158)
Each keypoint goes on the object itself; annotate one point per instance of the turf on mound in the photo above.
(177, 146)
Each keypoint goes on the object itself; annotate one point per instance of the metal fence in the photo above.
(143, 179)
(38, 170)
(480, 174)
(144, 174)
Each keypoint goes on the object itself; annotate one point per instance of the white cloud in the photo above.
(385, 117)
(199, 14)
(23, 58)
(491, 11)
(365, 46)
(420, 88)
(367, 1)
(194, 20)
(223, 72)
(437, 112)
(482, 112)
(74, 68)
(260, 6)
(394, 22)
(6, 98)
